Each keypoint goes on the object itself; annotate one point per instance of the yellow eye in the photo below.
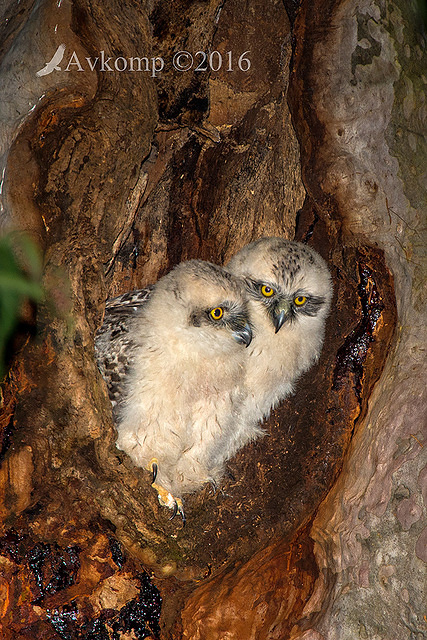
(217, 313)
(267, 291)
(300, 300)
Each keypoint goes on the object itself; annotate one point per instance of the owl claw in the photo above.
(166, 499)
(154, 469)
(174, 510)
(214, 486)
(178, 508)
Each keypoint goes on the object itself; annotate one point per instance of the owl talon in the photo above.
(154, 469)
(174, 511)
(153, 466)
(166, 499)
(214, 486)
(178, 508)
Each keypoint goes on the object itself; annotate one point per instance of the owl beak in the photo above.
(243, 335)
(281, 314)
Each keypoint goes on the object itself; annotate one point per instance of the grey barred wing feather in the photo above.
(115, 340)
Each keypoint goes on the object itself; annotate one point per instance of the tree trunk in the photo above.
(305, 122)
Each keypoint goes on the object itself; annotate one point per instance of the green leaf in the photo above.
(20, 279)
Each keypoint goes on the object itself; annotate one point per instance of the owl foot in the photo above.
(166, 499)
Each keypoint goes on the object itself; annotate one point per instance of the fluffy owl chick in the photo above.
(290, 291)
(183, 356)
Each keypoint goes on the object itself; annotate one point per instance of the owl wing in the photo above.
(114, 345)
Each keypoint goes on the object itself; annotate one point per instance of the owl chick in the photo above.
(173, 357)
(290, 291)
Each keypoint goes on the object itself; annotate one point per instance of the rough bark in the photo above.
(370, 117)
(126, 174)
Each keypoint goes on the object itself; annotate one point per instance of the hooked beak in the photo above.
(243, 335)
(280, 314)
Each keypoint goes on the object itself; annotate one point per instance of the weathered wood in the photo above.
(362, 66)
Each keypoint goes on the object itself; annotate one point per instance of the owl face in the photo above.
(287, 280)
(282, 305)
(204, 305)
(227, 316)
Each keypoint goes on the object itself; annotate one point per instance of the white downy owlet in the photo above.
(174, 359)
(290, 289)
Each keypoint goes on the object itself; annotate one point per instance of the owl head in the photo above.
(203, 306)
(289, 281)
